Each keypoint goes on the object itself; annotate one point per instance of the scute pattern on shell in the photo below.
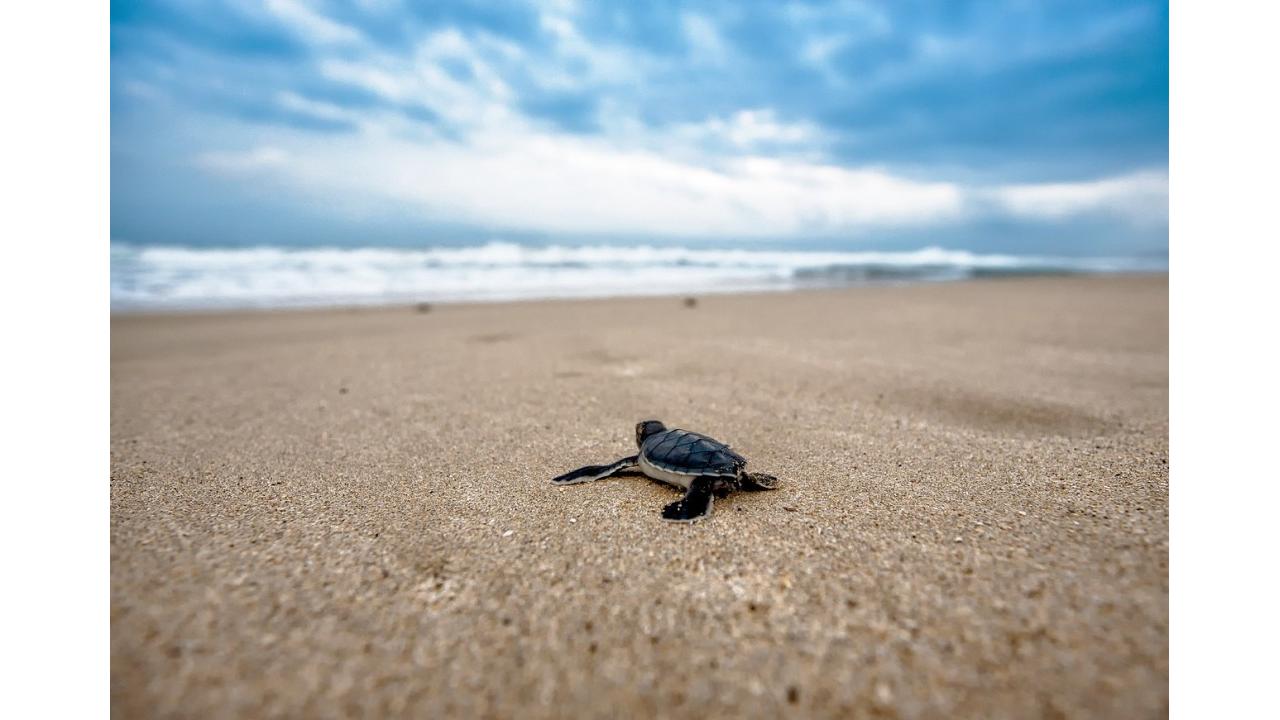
(689, 452)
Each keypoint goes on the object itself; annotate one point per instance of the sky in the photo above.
(1036, 127)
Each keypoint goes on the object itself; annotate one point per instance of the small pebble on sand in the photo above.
(884, 694)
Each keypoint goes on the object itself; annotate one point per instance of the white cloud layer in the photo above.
(1139, 197)
(564, 184)
(533, 181)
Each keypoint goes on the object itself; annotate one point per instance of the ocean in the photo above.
(163, 278)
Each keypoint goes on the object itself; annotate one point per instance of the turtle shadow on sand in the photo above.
(703, 467)
(739, 504)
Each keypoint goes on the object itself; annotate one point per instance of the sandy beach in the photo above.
(347, 512)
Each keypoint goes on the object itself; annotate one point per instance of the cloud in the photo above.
(704, 39)
(447, 73)
(311, 25)
(560, 183)
(576, 61)
(1141, 197)
(256, 159)
(751, 127)
(314, 108)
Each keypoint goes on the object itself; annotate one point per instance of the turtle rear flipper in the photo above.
(696, 503)
(595, 472)
(759, 481)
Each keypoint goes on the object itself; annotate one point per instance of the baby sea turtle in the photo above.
(701, 466)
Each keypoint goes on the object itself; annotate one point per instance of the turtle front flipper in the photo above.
(696, 503)
(759, 481)
(595, 472)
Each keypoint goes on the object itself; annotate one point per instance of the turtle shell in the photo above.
(689, 453)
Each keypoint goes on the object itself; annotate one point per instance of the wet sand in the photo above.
(347, 512)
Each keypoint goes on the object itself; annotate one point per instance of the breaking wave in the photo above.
(173, 277)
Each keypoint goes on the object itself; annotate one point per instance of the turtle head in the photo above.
(645, 428)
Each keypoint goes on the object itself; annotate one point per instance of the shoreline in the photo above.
(340, 306)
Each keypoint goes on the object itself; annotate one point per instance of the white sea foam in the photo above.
(153, 277)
